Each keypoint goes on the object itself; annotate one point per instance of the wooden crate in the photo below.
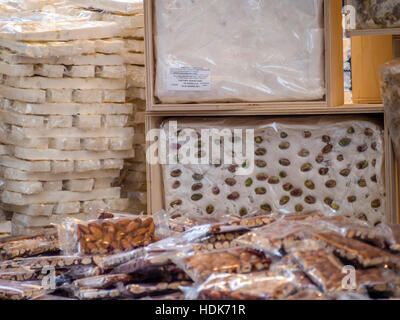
(155, 187)
(333, 73)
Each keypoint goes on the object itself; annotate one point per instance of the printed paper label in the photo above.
(189, 79)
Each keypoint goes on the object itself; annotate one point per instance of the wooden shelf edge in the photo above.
(291, 110)
(373, 32)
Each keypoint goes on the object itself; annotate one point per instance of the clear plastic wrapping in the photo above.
(42, 26)
(111, 233)
(14, 290)
(28, 246)
(322, 267)
(253, 286)
(373, 14)
(57, 262)
(102, 281)
(354, 250)
(179, 223)
(199, 266)
(330, 164)
(181, 242)
(143, 289)
(279, 237)
(239, 50)
(125, 7)
(392, 233)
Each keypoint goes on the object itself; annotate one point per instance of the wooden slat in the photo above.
(273, 110)
(390, 178)
(367, 54)
(373, 32)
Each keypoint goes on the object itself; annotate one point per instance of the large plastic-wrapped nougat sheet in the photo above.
(390, 89)
(373, 14)
(239, 50)
(331, 164)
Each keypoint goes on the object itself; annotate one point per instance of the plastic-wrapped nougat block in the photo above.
(238, 50)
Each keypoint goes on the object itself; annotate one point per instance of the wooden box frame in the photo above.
(333, 73)
(155, 187)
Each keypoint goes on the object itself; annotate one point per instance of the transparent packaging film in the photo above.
(199, 266)
(111, 233)
(328, 164)
(230, 51)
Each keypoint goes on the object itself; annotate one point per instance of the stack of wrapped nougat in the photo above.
(64, 120)
(129, 15)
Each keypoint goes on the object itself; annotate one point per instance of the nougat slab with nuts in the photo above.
(329, 164)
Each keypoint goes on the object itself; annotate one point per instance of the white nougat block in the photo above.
(109, 46)
(102, 183)
(15, 174)
(31, 221)
(126, 22)
(17, 70)
(62, 166)
(97, 59)
(124, 7)
(31, 166)
(25, 187)
(64, 83)
(114, 96)
(121, 143)
(49, 49)
(113, 164)
(52, 185)
(50, 71)
(65, 143)
(77, 132)
(134, 45)
(87, 96)
(96, 144)
(27, 95)
(67, 207)
(112, 72)
(58, 95)
(133, 58)
(136, 33)
(87, 122)
(40, 209)
(117, 204)
(27, 121)
(44, 154)
(71, 108)
(62, 31)
(136, 76)
(115, 121)
(79, 185)
(59, 121)
(6, 227)
(22, 230)
(12, 139)
(80, 71)
(66, 196)
(93, 206)
(87, 165)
